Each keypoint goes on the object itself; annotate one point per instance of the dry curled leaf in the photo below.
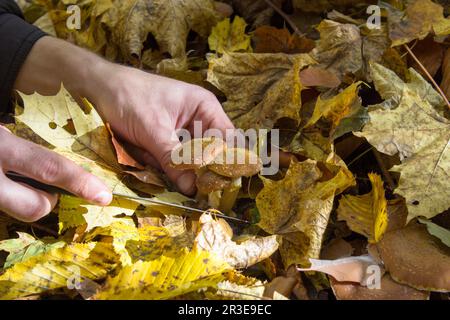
(339, 48)
(366, 214)
(168, 21)
(420, 18)
(213, 237)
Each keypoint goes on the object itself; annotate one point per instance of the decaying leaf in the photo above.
(260, 88)
(366, 214)
(229, 36)
(339, 48)
(57, 268)
(414, 257)
(407, 124)
(168, 21)
(421, 18)
(301, 216)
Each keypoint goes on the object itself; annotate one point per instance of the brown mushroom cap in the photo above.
(414, 257)
(209, 182)
(198, 153)
(235, 163)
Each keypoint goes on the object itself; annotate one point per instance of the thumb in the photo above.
(163, 143)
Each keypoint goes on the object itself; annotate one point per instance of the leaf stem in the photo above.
(438, 88)
(285, 17)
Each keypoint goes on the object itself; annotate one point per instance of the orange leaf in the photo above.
(273, 40)
(123, 157)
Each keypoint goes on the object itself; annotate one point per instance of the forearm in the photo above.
(53, 62)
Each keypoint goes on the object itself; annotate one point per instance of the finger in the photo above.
(162, 151)
(212, 115)
(5, 128)
(23, 202)
(142, 156)
(50, 168)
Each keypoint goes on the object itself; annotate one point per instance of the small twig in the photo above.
(43, 228)
(387, 176)
(286, 17)
(438, 88)
(360, 156)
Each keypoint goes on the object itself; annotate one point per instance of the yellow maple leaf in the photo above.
(260, 88)
(58, 268)
(366, 214)
(50, 118)
(407, 124)
(229, 36)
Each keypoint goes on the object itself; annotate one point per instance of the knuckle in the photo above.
(50, 170)
(165, 159)
(81, 184)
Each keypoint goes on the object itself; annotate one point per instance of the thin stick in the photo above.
(387, 176)
(360, 156)
(285, 17)
(44, 228)
(428, 75)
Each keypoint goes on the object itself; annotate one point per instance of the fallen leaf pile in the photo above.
(359, 211)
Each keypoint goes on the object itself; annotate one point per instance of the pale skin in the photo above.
(142, 108)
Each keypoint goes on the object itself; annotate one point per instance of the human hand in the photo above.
(29, 204)
(142, 108)
(146, 110)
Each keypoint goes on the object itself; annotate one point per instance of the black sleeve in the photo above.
(17, 37)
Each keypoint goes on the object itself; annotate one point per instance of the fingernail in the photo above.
(104, 198)
(186, 183)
